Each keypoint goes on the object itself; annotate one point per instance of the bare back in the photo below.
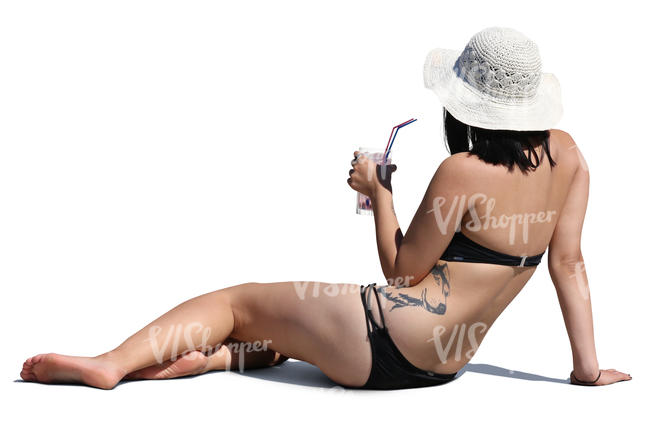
(507, 211)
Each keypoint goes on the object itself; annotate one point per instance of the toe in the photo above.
(27, 375)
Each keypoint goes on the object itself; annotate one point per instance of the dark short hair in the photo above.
(497, 146)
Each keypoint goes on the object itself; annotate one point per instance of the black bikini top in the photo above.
(463, 249)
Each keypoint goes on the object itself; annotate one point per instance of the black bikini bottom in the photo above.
(390, 369)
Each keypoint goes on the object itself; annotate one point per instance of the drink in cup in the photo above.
(364, 205)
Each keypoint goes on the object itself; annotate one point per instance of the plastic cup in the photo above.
(364, 205)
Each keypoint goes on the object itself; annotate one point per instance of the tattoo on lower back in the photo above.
(438, 294)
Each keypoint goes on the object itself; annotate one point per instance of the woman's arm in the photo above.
(375, 182)
(567, 270)
(406, 260)
(388, 233)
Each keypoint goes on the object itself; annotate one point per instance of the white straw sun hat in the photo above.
(496, 82)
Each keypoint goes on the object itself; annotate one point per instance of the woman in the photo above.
(511, 188)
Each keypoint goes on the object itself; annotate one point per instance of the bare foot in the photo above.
(189, 364)
(55, 368)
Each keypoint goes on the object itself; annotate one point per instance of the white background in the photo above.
(152, 151)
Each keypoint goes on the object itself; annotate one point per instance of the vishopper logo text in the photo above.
(581, 279)
(457, 337)
(303, 290)
(476, 223)
(176, 333)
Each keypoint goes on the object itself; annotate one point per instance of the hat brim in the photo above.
(470, 106)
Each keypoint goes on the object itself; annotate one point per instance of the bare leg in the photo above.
(199, 323)
(228, 357)
(187, 365)
(316, 322)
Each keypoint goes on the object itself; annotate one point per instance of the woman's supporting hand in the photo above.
(607, 377)
(367, 177)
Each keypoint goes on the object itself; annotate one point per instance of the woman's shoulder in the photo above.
(460, 161)
(455, 166)
(463, 173)
(561, 137)
(568, 151)
(469, 165)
